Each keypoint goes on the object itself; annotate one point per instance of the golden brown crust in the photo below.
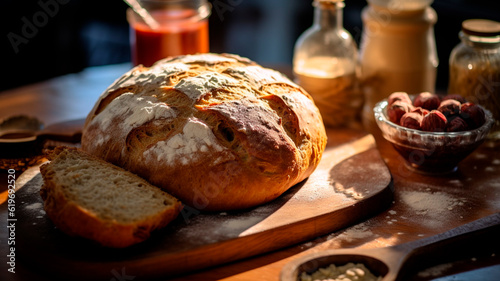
(238, 136)
(76, 220)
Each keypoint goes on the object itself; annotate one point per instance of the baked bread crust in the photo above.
(69, 215)
(219, 132)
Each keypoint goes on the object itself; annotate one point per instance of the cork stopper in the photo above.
(481, 27)
(329, 4)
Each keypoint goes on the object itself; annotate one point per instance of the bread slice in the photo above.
(88, 197)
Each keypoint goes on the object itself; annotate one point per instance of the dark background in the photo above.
(83, 33)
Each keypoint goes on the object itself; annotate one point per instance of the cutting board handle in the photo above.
(68, 131)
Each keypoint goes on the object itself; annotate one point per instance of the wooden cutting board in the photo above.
(351, 183)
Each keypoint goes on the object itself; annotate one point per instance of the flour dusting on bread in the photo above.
(195, 87)
(195, 140)
(156, 75)
(134, 110)
(258, 75)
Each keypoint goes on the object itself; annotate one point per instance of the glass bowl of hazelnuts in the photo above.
(432, 133)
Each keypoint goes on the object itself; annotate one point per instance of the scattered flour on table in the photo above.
(212, 228)
(321, 181)
(359, 180)
(34, 187)
(306, 245)
(240, 224)
(435, 271)
(490, 169)
(349, 191)
(434, 206)
(359, 231)
(36, 207)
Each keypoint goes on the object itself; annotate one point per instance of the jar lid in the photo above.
(481, 27)
(398, 5)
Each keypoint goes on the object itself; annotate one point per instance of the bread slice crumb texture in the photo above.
(108, 192)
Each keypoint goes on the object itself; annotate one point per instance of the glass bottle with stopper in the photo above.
(324, 64)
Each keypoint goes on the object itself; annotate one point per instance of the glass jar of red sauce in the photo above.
(182, 30)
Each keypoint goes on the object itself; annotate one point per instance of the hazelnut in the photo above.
(401, 96)
(420, 111)
(411, 120)
(449, 107)
(435, 121)
(398, 109)
(456, 97)
(456, 124)
(427, 101)
(472, 114)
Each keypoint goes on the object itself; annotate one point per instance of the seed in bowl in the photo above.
(420, 111)
(456, 97)
(397, 109)
(472, 114)
(456, 124)
(348, 272)
(427, 100)
(399, 96)
(412, 120)
(449, 107)
(435, 121)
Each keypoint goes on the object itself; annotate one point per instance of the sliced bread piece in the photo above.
(89, 197)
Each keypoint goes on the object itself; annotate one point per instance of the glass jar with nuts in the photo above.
(475, 67)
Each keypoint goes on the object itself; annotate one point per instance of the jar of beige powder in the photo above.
(398, 51)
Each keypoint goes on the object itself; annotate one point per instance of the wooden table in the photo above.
(423, 205)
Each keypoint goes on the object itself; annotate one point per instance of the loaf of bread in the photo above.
(219, 132)
(88, 197)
